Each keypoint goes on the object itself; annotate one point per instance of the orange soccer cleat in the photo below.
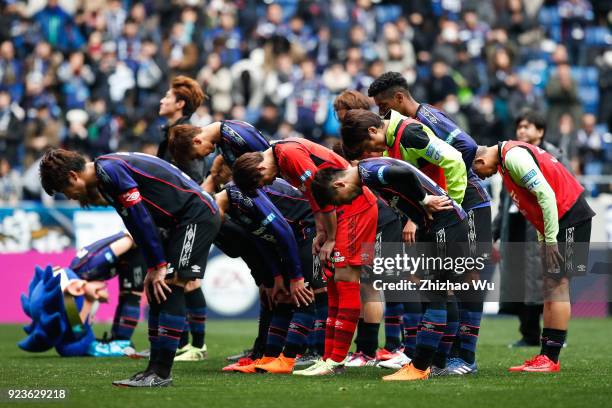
(538, 364)
(407, 373)
(250, 368)
(280, 365)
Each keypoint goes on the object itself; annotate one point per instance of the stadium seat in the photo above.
(589, 96)
(549, 16)
(388, 13)
(598, 36)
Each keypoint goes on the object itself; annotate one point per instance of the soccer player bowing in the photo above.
(172, 220)
(553, 201)
(340, 234)
(441, 219)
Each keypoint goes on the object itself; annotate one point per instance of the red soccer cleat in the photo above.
(383, 354)
(538, 364)
(245, 361)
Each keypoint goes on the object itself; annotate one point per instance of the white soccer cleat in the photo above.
(327, 367)
(192, 354)
(396, 362)
(360, 360)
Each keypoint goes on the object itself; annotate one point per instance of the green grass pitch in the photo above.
(584, 381)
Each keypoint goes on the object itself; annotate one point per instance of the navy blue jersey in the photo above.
(150, 193)
(294, 206)
(284, 225)
(96, 261)
(475, 194)
(238, 138)
(403, 185)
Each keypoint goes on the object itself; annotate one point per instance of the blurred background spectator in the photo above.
(89, 74)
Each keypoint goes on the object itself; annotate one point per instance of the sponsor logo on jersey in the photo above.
(268, 219)
(433, 152)
(452, 135)
(307, 174)
(232, 136)
(531, 174)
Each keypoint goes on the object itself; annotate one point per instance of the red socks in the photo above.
(332, 312)
(348, 308)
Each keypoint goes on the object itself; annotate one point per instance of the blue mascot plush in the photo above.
(61, 312)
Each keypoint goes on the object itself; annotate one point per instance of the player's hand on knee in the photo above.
(279, 288)
(553, 257)
(155, 281)
(300, 294)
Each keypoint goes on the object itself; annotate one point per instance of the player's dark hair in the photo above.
(322, 186)
(55, 168)
(388, 84)
(189, 91)
(245, 173)
(533, 117)
(338, 148)
(180, 142)
(351, 99)
(355, 133)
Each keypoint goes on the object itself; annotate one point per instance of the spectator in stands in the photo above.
(217, 81)
(10, 183)
(270, 120)
(590, 143)
(441, 86)
(562, 97)
(57, 27)
(41, 133)
(575, 15)
(307, 105)
(11, 128)
(75, 77)
(11, 71)
(605, 89)
(524, 96)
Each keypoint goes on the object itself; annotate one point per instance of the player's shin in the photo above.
(126, 317)
(172, 313)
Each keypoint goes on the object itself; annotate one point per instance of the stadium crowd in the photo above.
(89, 75)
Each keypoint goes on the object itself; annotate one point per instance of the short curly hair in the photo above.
(387, 84)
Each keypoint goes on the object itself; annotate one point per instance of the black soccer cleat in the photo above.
(145, 381)
(136, 377)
